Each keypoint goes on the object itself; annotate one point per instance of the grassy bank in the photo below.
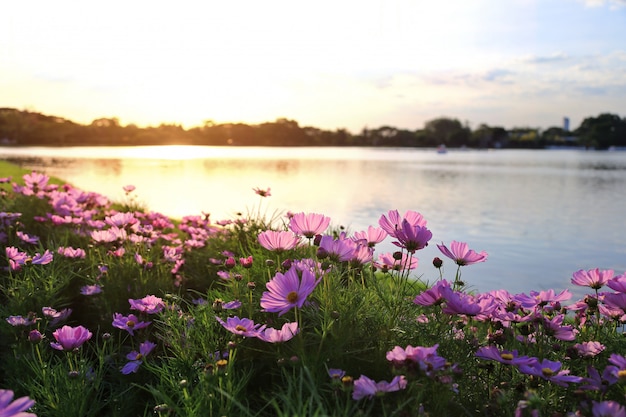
(114, 310)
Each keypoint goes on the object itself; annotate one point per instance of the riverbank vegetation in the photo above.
(24, 128)
(110, 309)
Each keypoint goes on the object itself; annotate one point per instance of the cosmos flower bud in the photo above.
(437, 262)
(34, 336)
(230, 262)
(322, 253)
(286, 264)
(397, 255)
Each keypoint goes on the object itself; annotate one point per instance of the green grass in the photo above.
(352, 320)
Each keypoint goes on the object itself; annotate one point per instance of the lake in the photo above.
(539, 214)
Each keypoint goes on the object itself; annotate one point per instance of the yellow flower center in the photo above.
(130, 324)
(240, 328)
(547, 372)
(292, 297)
(139, 357)
(621, 374)
(507, 356)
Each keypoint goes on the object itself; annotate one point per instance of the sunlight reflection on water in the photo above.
(540, 215)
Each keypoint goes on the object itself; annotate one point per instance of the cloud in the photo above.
(613, 4)
(543, 59)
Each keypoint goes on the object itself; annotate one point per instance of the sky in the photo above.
(326, 63)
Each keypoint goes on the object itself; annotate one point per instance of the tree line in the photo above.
(26, 128)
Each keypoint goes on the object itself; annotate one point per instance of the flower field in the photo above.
(110, 309)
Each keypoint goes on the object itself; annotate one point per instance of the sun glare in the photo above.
(169, 152)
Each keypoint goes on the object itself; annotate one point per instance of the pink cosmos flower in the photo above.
(26, 238)
(394, 222)
(149, 304)
(361, 255)
(615, 300)
(108, 236)
(14, 408)
(460, 253)
(289, 290)
(278, 241)
(136, 358)
(91, 289)
(287, 332)
(128, 188)
(372, 235)
(366, 387)
(129, 323)
(589, 349)
(593, 278)
(433, 295)
(69, 338)
(338, 250)
(122, 220)
(308, 225)
(42, 259)
(456, 302)
(542, 299)
(56, 316)
(424, 358)
(16, 258)
(387, 262)
(618, 283)
(554, 327)
(261, 192)
(246, 262)
(21, 321)
(36, 180)
(70, 252)
(412, 237)
(241, 327)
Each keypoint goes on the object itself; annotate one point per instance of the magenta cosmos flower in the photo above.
(366, 387)
(129, 323)
(507, 357)
(392, 222)
(289, 290)
(149, 304)
(618, 283)
(460, 253)
(593, 278)
(262, 192)
(241, 327)
(278, 241)
(308, 225)
(10, 408)
(136, 358)
(412, 237)
(608, 409)
(550, 371)
(287, 332)
(69, 338)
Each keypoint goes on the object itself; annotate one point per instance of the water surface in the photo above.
(541, 215)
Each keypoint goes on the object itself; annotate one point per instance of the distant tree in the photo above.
(524, 137)
(447, 131)
(602, 131)
(486, 136)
